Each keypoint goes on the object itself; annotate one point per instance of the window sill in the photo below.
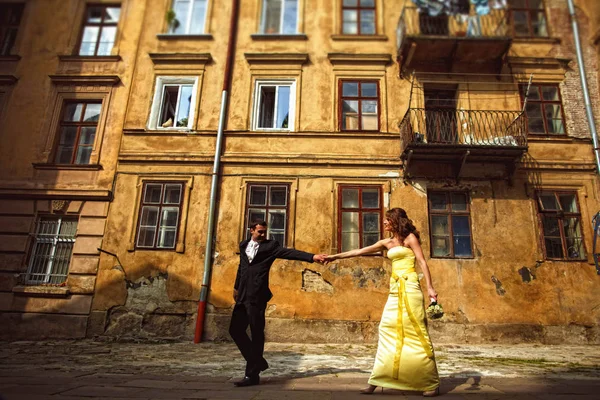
(10, 58)
(535, 39)
(359, 37)
(74, 167)
(554, 139)
(172, 36)
(278, 36)
(42, 291)
(77, 58)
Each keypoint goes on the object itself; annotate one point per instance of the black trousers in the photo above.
(253, 315)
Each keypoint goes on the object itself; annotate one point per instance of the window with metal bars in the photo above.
(560, 220)
(160, 211)
(268, 202)
(53, 242)
(450, 224)
(99, 30)
(77, 132)
(10, 18)
(359, 216)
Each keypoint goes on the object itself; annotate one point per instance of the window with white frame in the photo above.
(280, 17)
(189, 17)
(268, 202)
(275, 103)
(159, 215)
(53, 242)
(174, 103)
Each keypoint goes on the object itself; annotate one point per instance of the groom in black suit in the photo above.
(251, 294)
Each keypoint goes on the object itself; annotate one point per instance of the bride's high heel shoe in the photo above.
(432, 393)
(369, 389)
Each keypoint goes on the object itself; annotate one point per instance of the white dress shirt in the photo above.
(251, 250)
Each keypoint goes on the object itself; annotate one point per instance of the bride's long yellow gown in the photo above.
(405, 359)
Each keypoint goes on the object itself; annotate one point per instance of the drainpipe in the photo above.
(208, 253)
(586, 94)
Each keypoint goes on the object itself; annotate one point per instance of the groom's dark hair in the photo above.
(256, 223)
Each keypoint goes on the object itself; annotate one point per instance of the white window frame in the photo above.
(188, 22)
(263, 22)
(157, 101)
(291, 83)
(41, 239)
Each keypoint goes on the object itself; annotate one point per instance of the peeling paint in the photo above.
(312, 281)
(527, 275)
(499, 289)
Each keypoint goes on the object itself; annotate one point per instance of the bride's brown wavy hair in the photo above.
(401, 224)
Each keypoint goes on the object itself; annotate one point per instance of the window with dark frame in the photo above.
(450, 224)
(359, 217)
(159, 215)
(51, 251)
(268, 202)
(358, 17)
(544, 109)
(99, 30)
(10, 18)
(528, 18)
(359, 105)
(560, 220)
(77, 132)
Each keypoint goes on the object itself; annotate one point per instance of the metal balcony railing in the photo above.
(415, 23)
(463, 127)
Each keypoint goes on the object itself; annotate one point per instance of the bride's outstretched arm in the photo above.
(358, 252)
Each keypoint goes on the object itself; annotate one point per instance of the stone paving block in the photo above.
(150, 383)
(105, 391)
(38, 389)
(229, 394)
(295, 395)
(170, 393)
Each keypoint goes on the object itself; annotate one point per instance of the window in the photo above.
(159, 215)
(51, 252)
(77, 132)
(358, 17)
(528, 18)
(561, 225)
(275, 105)
(268, 202)
(189, 17)
(450, 224)
(99, 30)
(10, 17)
(359, 216)
(544, 109)
(359, 106)
(174, 103)
(280, 17)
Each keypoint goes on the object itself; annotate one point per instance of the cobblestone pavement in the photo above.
(105, 370)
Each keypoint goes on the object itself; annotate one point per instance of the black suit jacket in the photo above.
(252, 279)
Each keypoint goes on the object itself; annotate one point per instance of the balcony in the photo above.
(453, 43)
(440, 143)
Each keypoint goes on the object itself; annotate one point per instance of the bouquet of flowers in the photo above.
(434, 310)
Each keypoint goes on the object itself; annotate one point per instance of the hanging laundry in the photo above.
(433, 8)
(497, 4)
(482, 7)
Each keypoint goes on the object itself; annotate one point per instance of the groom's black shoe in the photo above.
(247, 381)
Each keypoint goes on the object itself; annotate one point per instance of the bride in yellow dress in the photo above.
(405, 359)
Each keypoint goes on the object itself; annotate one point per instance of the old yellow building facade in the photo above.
(337, 111)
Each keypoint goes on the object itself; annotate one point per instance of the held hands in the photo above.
(320, 258)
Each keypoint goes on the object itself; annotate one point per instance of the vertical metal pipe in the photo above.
(586, 94)
(214, 187)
